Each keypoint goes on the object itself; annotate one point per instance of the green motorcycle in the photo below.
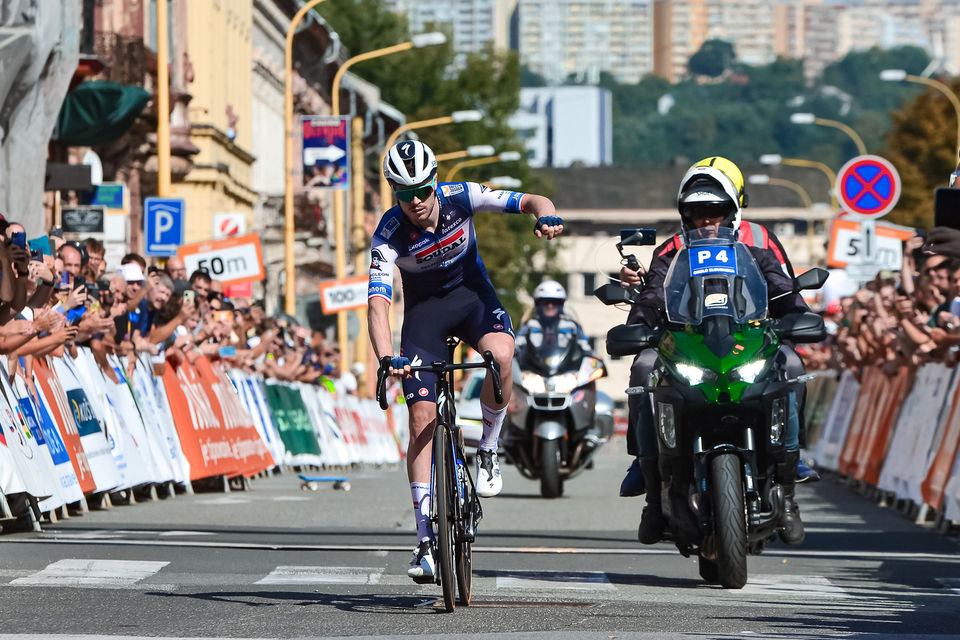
(721, 400)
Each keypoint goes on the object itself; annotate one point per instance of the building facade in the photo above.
(562, 126)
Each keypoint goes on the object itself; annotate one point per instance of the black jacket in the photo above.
(649, 309)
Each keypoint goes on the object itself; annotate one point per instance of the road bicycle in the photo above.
(454, 505)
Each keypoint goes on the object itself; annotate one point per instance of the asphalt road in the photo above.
(281, 562)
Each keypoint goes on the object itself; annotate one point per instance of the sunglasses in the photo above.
(544, 302)
(422, 192)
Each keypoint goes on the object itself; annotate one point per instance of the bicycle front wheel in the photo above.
(464, 548)
(444, 494)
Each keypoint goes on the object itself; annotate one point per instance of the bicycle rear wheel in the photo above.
(444, 484)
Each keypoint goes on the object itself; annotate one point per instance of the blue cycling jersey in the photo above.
(434, 263)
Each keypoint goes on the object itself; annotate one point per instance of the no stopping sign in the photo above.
(868, 186)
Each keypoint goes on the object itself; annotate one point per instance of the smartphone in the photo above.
(946, 208)
(19, 238)
(41, 244)
(64, 280)
(638, 237)
(75, 315)
(227, 352)
(79, 281)
(36, 255)
(190, 295)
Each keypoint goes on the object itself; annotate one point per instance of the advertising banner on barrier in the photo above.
(293, 422)
(214, 442)
(831, 441)
(95, 469)
(26, 467)
(938, 474)
(151, 399)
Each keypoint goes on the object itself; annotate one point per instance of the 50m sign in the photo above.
(235, 260)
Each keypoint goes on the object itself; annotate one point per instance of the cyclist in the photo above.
(711, 193)
(549, 321)
(430, 237)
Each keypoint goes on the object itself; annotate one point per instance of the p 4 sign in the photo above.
(231, 261)
(713, 260)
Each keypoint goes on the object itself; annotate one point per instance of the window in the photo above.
(589, 284)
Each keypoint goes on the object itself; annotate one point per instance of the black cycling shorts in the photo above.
(464, 313)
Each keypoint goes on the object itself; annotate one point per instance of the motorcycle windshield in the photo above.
(552, 354)
(714, 275)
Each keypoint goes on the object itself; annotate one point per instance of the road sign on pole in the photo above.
(163, 225)
(232, 261)
(868, 186)
(341, 295)
(326, 154)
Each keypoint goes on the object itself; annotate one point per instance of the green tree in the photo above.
(714, 57)
(922, 146)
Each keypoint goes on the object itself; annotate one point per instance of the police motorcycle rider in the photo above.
(711, 193)
(430, 237)
(549, 322)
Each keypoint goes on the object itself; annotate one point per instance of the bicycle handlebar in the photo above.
(441, 368)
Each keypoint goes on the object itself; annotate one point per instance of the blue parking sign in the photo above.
(163, 225)
(711, 260)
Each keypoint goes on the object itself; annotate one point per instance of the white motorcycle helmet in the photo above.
(409, 163)
(550, 290)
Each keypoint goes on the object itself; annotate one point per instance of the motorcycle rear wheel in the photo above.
(551, 485)
(729, 521)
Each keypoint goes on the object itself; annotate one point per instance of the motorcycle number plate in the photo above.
(705, 261)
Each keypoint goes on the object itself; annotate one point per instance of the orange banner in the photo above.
(939, 473)
(216, 433)
(56, 401)
(879, 432)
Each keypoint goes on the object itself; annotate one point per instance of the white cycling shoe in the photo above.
(422, 566)
(489, 481)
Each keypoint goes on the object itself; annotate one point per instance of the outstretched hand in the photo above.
(549, 226)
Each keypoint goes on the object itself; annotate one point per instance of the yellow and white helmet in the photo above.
(712, 187)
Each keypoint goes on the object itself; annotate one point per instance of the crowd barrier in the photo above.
(75, 427)
(898, 433)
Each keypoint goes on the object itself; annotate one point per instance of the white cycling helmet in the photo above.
(549, 290)
(409, 163)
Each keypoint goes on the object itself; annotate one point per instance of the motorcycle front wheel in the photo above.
(729, 521)
(551, 485)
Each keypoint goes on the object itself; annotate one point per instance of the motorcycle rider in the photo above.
(711, 193)
(549, 321)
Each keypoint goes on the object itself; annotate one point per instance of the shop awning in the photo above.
(96, 112)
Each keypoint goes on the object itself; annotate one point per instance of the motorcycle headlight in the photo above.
(694, 375)
(563, 384)
(749, 372)
(533, 383)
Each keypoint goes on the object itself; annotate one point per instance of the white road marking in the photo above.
(550, 580)
(795, 585)
(223, 500)
(951, 583)
(294, 574)
(74, 572)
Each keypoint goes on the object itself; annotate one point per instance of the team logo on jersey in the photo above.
(375, 259)
(409, 396)
(498, 312)
(453, 242)
(498, 327)
(423, 392)
(451, 189)
(389, 227)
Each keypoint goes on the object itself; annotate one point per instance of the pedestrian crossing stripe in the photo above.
(951, 583)
(73, 572)
(549, 580)
(292, 574)
(801, 585)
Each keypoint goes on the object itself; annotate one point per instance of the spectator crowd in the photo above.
(57, 295)
(898, 319)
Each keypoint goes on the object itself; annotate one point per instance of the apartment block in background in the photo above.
(557, 38)
(563, 126)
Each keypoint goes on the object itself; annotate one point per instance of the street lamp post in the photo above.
(775, 158)
(386, 196)
(779, 182)
(473, 151)
(809, 118)
(506, 156)
(899, 75)
(417, 41)
(290, 290)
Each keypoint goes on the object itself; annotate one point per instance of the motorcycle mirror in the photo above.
(612, 293)
(628, 339)
(638, 237)
(812, 279)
